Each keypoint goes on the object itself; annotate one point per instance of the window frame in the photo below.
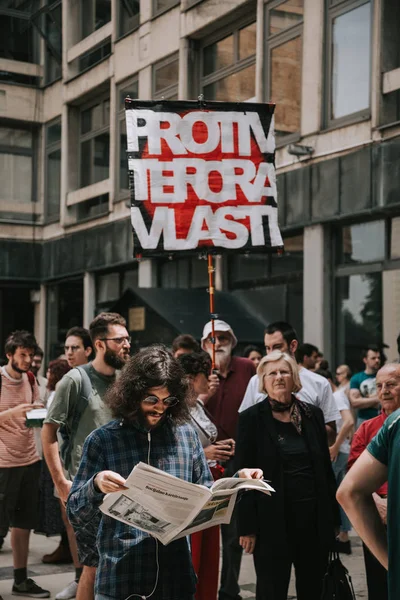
(272, 41)
(156, 12)
(32, 153)
(49, 149)
(22, 15)
(36, 20)
(81, 19)
(170, 91)
(386, 264)
(272, 277)
(334, 9)
(120, 13)
(90, 136)
(237, 66)
(122, 193)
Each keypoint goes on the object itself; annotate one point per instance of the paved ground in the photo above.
(55, 578)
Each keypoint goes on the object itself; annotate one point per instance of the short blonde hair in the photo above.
(274, 357)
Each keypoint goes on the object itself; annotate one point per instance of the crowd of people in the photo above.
(276, 412)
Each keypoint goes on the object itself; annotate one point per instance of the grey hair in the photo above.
(274, 356)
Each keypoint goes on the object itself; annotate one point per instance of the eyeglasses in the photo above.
(118, 340)
(222, 338)
(152, 400)
(72, 348)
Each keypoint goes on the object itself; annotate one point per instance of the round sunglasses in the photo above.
(152, 400)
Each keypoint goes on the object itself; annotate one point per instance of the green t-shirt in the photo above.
(366, 385)
(96, 414)
(385, 447)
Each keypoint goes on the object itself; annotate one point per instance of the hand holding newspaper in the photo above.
(169, 508)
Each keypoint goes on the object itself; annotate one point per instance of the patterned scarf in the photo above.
(295, 407)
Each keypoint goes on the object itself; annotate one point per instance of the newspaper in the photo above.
(169, 508)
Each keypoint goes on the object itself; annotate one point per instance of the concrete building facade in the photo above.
(332, 67)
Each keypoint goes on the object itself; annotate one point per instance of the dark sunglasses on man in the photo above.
(152, 400)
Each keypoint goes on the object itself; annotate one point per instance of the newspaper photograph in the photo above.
(168, 508)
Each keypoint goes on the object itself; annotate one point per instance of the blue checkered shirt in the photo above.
(127, 563)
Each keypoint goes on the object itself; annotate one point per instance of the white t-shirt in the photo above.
(315, 390)
(342, 403)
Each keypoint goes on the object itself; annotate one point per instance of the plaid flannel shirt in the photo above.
(127, 563)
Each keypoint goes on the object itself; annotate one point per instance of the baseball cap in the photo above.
(218, 326)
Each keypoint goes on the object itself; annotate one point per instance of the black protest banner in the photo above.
(202, 177)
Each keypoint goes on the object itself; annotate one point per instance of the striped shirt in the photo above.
(127, 563)
(17, 442)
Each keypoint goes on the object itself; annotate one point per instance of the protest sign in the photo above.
(202, 177)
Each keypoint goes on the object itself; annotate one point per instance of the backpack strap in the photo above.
(80, 407)
(32, 381)
(86, 384)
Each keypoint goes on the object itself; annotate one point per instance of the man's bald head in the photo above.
(388, 387)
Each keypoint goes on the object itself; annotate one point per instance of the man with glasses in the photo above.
(78, 347)
(77, 416)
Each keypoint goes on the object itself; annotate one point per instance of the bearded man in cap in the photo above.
(227, 387)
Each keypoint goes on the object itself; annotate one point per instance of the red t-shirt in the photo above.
(225, 403)
(362, 438)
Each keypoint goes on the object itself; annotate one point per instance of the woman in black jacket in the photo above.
(286, 438)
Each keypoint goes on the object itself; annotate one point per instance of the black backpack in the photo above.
(337, 581)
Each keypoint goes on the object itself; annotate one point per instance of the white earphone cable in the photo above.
(155, 539)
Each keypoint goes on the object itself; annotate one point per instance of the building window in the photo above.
(271, 286)
(160, 6)
(166, 78)
(130, 279)
(182, 273)
(107, 288)
(349, 61)
(359, 318)
(364, 242)
(284, 28)
(261, 267)
(95, 55)
(48, 22)
(92, 208)
(94, 14)
(395, 238)
(130, 89)
(390, 60)
(64, 309)
(228, 70)
(16, 167)
(53, 171)
(129, 16)
(18, 37)
(94, 143)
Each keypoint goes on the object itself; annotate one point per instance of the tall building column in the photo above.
(89, 298)
(39, 316)
(147, 273)
(317, 289)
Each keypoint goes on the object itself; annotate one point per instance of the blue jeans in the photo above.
(340, 468)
